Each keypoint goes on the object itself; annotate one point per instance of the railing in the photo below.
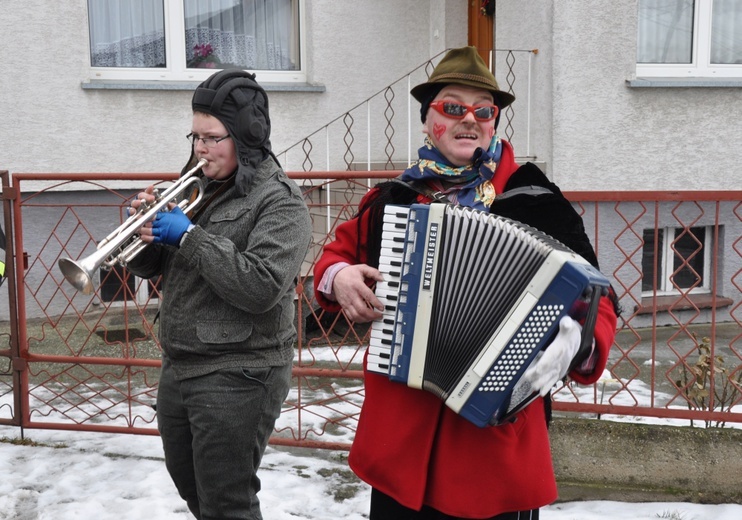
(91, 362)
(383, 131)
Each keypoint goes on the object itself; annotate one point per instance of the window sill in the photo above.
(110, 84)
(656, 82)
(676, 302)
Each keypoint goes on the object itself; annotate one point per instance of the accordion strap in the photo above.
(524, 190)
(422, 188)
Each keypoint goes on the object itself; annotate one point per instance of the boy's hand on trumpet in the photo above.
(145, 197)
(168, 227)
(139, 204)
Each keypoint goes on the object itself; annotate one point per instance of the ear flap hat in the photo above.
(240, 103)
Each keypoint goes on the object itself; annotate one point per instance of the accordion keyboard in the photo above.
(390, 266)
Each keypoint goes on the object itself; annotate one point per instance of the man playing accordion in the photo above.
(422, 460)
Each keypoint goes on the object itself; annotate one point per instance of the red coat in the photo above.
(411, 446)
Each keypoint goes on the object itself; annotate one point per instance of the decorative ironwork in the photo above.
(306, 147)
(389, 128)
(510, 80)
(348, 140)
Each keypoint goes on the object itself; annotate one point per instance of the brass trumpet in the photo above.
(118, 248)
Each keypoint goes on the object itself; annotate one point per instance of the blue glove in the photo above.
(552, 364)
(170, 226)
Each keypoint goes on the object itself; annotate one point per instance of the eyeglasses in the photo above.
(459, 110)
(209, 142)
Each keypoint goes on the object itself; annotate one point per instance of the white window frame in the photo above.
(176, 59)
(667, 257)
(700, 66)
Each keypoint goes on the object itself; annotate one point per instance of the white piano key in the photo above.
(388, 263)
(378, 364)
(381, 352)
(381, 335)
(390, 285)
(392, 247)
(394, 229)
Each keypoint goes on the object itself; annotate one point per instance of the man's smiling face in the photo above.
(457, 139)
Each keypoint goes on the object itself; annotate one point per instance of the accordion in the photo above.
(470, 298)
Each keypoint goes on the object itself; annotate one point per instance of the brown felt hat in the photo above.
(462, 66)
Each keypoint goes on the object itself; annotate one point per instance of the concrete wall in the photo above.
(591, 129)
(604, 460)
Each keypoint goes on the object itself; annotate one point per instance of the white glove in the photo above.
(552, 364)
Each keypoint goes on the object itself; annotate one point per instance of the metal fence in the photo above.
(70, 361)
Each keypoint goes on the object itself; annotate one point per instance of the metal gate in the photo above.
(70, 361)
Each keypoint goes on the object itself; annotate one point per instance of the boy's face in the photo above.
(222, 157)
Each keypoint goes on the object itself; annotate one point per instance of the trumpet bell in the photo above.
(122, 245)
(77, 274)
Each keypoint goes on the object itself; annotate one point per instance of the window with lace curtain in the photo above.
(689, 38)
(189, 39)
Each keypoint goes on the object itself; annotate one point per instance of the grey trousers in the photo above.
(214, 431)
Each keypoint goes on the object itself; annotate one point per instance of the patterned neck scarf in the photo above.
(469, 185)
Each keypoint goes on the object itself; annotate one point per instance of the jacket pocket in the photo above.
(223, 332)
(229, 213)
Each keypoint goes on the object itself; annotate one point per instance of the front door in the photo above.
(481, 30)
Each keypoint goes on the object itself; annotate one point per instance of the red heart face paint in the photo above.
(438, 130)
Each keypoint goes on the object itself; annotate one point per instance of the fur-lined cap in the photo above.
(240, 103)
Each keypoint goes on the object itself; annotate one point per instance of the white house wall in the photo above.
(594, 131)
(353, 49)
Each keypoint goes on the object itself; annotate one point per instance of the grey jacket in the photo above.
(228, 291)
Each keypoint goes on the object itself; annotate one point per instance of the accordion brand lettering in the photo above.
(430, 257)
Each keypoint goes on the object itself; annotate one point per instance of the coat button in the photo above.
(224, 334)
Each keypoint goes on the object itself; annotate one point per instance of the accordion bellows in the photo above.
(470, 299)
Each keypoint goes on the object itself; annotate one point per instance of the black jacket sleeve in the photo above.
(531, 198)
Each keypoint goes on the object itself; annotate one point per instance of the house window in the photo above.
(188, 39)
(680, 260)
(687, 38)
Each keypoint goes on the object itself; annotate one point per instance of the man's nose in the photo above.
(469, 117)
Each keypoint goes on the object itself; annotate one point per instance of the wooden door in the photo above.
(481, 30)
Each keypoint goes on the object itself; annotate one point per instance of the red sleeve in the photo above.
(343, 249)
(605, 333)
(505, 168)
